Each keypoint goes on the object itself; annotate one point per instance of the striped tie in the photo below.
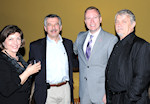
(88, 49)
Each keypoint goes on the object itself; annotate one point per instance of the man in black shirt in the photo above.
(128, 68)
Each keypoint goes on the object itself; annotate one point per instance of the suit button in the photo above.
(87, 66)
(85, 78)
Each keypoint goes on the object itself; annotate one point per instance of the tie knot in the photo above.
(91, 36)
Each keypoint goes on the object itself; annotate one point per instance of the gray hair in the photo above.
(126, 12)
(52, 16)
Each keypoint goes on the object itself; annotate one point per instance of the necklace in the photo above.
(17, 59)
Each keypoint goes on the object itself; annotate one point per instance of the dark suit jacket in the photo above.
(128, 71)
(38, 52)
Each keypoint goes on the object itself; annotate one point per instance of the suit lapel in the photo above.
(97, 43)
(43, 57)
(65, 45)
(82, 44)
(43, 49)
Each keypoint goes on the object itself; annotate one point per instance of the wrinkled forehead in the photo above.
(122, 16)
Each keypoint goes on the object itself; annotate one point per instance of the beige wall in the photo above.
(29, 15)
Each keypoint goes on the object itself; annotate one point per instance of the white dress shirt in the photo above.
(93, 40)
(57, 69)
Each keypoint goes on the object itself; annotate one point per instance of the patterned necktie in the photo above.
(88, 49)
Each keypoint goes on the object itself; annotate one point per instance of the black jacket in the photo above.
(38, 52)
(11, 91)
(128, 72)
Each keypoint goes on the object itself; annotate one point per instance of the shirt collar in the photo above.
(128, 39)
(96, 33)
(50, 40)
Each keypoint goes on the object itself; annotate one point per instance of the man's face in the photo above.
(52, 27)
(92, 20)
(123, 25)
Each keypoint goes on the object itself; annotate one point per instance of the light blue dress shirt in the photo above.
(57, 69)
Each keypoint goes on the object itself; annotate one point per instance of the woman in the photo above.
(15, 73)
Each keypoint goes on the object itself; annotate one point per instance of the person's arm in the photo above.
(31, 69)
(74, 60)
(108, 96)
(75, 47)
(76, 43)
(9, 81)
(141, 76)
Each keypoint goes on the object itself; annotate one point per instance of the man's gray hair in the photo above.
(126, 12)
(52, 16)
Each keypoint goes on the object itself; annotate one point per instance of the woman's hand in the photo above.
(30, 70)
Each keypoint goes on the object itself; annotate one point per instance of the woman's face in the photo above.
(12, 43)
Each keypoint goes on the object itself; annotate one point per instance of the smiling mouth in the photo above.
(15, 47)
(54, 30)
(92, 25)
